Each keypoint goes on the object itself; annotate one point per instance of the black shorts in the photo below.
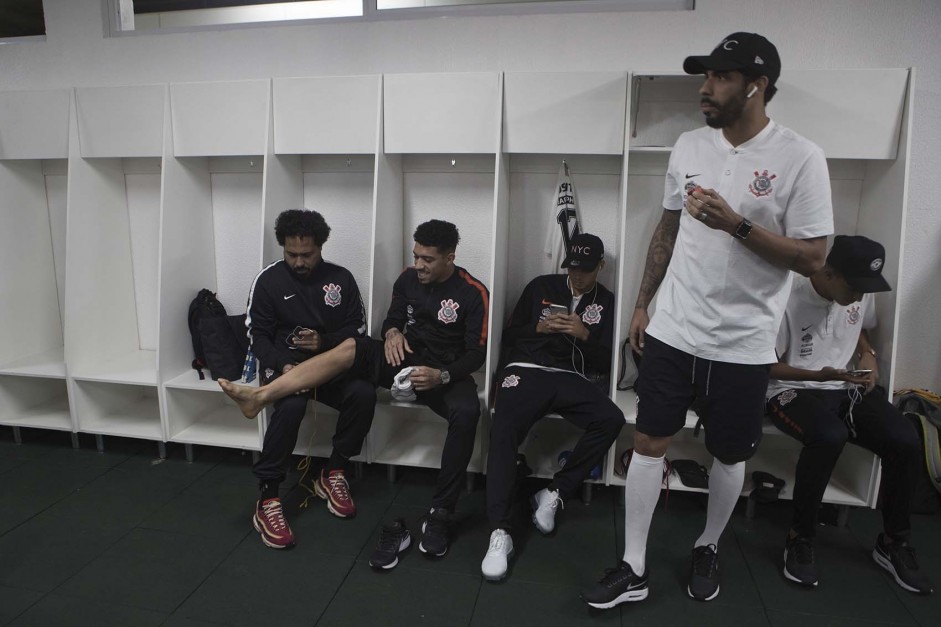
(729, 398)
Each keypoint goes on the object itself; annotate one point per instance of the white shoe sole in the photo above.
(708, 598)
(791, 577)
(886, 563)
(628, 597)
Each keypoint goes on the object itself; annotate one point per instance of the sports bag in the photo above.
(219, 340)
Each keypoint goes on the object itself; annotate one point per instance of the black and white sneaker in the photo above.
(799, 564)
(704, 573)
(436, 533)
(899, 559)
(619, 585)
(393, 539)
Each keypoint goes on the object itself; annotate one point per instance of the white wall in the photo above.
(809, 34)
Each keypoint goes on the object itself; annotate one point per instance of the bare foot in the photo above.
(247, 398)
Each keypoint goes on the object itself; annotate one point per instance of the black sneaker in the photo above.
(899, 559)
(799, 563)
(393, 539)
(704, 574)
(436, 531)
(619, 585)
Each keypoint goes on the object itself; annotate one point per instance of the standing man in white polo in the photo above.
(746, 201)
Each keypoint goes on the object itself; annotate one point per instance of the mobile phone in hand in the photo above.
(858, 373)
(558, 309)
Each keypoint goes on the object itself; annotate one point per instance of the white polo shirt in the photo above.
(816, 333)
(719, 300)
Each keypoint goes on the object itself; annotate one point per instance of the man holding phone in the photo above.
(814, 398)
(557, 346)
(301, 306)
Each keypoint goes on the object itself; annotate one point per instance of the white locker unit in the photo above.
(113, 256)
(440, 135)
(325, 138)
(867, 152)
(548, 118)
(213, 179)
(143, 195)
(34, 135)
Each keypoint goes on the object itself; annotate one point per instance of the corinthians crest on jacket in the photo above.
(448, 312)
(332, 296)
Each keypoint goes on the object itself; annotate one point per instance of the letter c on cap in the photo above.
(725, 44)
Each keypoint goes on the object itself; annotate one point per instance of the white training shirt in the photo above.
(816, 333)
(719, 300)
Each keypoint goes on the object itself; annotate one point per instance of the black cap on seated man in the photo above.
(859, 260)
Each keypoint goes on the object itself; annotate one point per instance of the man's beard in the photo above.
(727, 114)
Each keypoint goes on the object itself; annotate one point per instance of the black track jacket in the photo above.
(445, 323)
(328, 301)
(521, 343)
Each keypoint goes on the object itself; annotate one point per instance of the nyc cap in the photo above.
(749, 52)
(860, 260)
(584, 252)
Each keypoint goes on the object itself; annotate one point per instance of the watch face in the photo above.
(445, 377)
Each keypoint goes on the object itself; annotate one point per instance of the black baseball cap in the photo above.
(749, 52)
(860, 260)
(584, 252)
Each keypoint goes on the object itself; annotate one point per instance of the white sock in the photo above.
(725, 486)
(641, 493)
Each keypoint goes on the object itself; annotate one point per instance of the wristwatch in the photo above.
(445, 377)
(743, 229)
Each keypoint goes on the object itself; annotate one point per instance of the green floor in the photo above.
(122, 538)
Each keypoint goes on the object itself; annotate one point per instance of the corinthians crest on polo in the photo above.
(761, 186)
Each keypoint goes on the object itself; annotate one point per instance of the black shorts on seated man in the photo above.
(437, 326)
(551, 358)
(815, 399)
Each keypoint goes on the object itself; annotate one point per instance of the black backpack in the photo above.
(219, 340)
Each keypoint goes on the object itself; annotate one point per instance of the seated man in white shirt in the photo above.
(814, 398)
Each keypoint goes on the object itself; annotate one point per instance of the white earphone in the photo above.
(751, 93)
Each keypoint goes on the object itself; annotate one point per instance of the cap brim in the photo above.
(580, 264)
(699, 65)
(870, 285)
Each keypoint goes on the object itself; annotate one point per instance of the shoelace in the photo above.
(804, 551)
(556, 501)
(390, 538)
(704, 560)
(274, 515)
(613, 576)
(339, 485)
(497, 543)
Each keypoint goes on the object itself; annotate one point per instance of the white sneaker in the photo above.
(402, 389)
(500, 551)
(545, 504)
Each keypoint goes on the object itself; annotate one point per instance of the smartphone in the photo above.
(858, 373)
(558, 309)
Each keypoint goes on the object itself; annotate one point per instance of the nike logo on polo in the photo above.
(807, 327)
(290, 297)
(689, 176)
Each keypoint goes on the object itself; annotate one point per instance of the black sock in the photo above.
(336, 462)
(269, 490)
